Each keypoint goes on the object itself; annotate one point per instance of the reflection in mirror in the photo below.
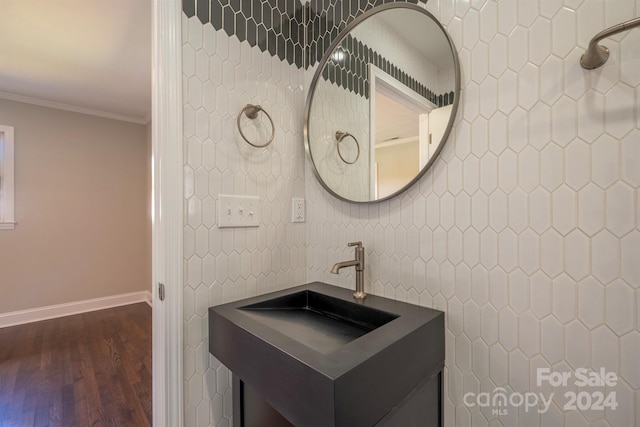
(403, 126)
(391, 82)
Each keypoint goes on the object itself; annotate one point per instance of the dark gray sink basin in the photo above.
(319, 321)
(321, 358)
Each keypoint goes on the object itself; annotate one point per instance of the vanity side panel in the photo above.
(424, 347)
(421, 408)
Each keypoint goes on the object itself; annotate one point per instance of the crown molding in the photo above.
(74, 108)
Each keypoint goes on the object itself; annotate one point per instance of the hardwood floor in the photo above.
(91, 369)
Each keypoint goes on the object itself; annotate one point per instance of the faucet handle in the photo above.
(357, 244)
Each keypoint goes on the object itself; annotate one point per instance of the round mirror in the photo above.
(382, 103)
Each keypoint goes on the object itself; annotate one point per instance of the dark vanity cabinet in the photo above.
(251, 410)
(421, 408)
(312, 356)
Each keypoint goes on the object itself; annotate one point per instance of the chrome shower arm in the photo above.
(596, 55)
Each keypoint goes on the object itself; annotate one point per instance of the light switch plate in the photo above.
(297, 210)
(238, 211)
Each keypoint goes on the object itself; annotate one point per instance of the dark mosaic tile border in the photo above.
(352, 72)
(285, 28)
(276, 26)
(327, 18)
(301, 34)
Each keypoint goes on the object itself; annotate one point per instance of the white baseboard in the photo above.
(60, 310)
(150, 299)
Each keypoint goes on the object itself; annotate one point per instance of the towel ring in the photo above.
(339, 137)
(251, 111)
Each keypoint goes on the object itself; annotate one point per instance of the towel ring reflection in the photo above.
(251, 111)
(339, 137)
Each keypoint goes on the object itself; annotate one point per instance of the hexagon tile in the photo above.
(552, 233)
(221, 75)
(525, 231)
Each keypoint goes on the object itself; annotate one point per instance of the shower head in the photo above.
(596, 55)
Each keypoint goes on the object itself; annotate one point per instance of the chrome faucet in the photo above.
(358, 263)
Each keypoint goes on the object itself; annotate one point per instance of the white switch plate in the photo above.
(297, 210)
(238, 211)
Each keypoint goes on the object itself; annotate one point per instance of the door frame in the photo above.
(388, 85)
(167, 228)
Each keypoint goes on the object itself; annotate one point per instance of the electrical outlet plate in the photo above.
(297, 210)
(238, 211)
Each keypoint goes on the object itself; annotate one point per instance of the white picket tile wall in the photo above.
(222, 75)
(525, 231)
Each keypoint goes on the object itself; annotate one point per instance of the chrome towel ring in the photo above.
(339, 137)
(251, 111)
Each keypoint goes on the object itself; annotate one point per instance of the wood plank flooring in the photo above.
(91, 369)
